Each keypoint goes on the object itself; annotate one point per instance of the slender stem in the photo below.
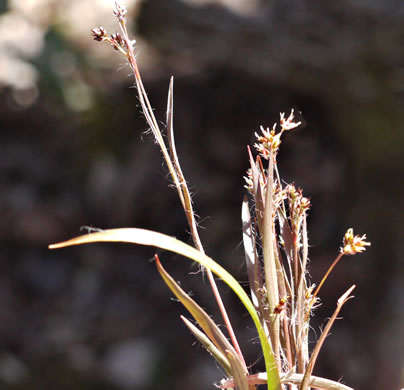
(270, 270)
(180, 184)
(341, 301)
(298, 324)
(313, 298)
(288, 347)
(296, 259)
(300, 299)
(226, 319)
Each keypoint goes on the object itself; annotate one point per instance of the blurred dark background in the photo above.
(74, 152)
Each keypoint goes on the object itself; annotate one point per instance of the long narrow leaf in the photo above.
(250, 256)
(258, 191)
(270, 268)
(147, 237)
(182, 189)
(210, 347)
(201, 317)
(253, 266)
(186, 201)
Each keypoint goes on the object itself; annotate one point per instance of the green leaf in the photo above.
(210, 347)
(148, 237)
(202, 318)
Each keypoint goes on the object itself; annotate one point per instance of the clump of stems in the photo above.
(274, 224)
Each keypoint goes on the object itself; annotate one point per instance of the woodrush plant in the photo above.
(274, 225)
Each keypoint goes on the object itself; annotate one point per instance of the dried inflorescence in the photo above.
(268, 143)
(119, 11)
(298, 205)
(282, 233)
(116, 40)
(99, 33)
(353, 244)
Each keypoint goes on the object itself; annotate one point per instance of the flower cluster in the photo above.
(119, 42)
(116, 40)
(269, 141)
(310, 300)
(120, 10)
(99, 34)
(289, 123)
(298, 205)
(353, 244)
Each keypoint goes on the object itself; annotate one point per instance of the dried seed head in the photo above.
(289, 123)
(310, 302)
(298, 206)
(120, 10)
(297, 201)
(292, 193)
(99, 33)
(353, 244)
(305, 203)
(117, 41)
(268, 142)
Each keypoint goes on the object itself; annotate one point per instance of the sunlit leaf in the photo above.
(210, 347)
(148, 237)
(202, 318)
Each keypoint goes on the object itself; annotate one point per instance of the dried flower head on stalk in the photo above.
(353, 244)
(269, 141)
(274, 223)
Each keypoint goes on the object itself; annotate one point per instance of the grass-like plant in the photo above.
(276, 251)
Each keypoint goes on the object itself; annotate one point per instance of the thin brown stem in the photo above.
(313, 298)
(341, 301)
(287, 347)
(179, 183)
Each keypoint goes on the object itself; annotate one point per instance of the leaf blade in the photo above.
(209, 346)
(205, 322)
(151, 238)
